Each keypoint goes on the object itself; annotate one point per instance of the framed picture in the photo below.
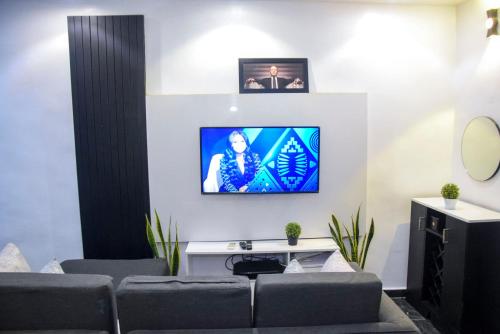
(273, 75)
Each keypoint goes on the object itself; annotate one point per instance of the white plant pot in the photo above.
(450, 204)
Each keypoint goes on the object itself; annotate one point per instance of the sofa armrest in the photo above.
(355, 266)
(391, 313)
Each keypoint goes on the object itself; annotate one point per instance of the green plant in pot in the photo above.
(450, 193)
(356, 252)
(292, 231)
(171, 251)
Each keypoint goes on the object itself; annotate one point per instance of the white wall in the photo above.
(402, 56)
(39, 208)
(477, 92)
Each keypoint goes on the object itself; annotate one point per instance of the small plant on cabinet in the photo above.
(292, 231)
(450, 193)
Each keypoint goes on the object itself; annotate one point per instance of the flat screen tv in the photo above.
(250, 160)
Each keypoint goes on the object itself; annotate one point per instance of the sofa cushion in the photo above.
(53, 267)
(315, 299)
(192, 302)
(294, 267)
(117, 269)
(355, 266)
(336, 263)
(35, 301)
(12, 260)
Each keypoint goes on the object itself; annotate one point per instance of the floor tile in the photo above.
(426, 327)
(422, 323)
(408, 309)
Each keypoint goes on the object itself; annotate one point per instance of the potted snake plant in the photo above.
(171, 251)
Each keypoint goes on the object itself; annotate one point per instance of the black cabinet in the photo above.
(417, 254)
(453, 267)
(454, 259)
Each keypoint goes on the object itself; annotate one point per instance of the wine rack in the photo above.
(433, 273)
(432, 286)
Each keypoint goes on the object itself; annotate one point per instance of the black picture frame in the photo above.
(255, 75)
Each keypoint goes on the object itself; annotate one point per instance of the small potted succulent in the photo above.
(292, 233)
(450, 193)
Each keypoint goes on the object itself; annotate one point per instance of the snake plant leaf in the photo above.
(151, 238)
(169, 241)
(340, 238)
(175, 263)
(356, 230)
(160, 233)
(340, 243)
(176, 256)
(334, 234)
(355, 241)
(335, 238)
(353, 226)
(351, 258)
(363, 253)
(368, 241)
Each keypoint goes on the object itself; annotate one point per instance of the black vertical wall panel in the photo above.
(109, 108)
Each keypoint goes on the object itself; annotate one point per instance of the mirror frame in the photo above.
(462, 145)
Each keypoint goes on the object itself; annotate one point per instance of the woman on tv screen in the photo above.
(239, 165)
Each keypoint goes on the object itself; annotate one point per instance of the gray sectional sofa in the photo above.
(284, 303)
(314, 303)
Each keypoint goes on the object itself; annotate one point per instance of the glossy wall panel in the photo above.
(174, 163)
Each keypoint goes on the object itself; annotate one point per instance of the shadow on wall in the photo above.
(396, 265)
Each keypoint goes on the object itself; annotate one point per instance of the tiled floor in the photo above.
(422, 323)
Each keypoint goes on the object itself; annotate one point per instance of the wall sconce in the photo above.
(492, 22)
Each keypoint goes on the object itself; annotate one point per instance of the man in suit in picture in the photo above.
(274, 81)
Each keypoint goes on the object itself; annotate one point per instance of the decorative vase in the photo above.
(450, 204)
(292, 241)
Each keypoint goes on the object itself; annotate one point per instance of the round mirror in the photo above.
(481, 148)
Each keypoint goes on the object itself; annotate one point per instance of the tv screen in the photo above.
(259, 160)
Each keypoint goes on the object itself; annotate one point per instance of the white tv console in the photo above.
(206, 248)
